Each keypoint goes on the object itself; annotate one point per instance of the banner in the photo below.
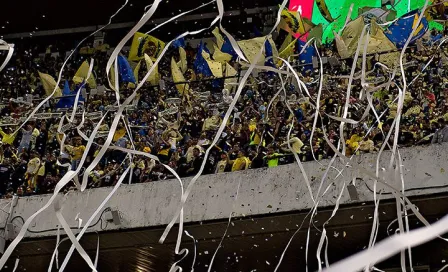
(145, 44)
(81, 75)
(49, 84)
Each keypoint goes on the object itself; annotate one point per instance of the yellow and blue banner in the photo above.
(400, 31)
(200, 65)
(145, 44)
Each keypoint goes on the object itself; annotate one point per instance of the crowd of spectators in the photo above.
(255, 136)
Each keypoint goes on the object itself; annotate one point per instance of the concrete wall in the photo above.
(262, 191)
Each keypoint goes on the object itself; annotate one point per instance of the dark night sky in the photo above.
(25, 15)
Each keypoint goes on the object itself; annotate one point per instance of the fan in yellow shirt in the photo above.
(241, 163)
(7, 138)
(32, 170)
(76, 152)
(296, 145)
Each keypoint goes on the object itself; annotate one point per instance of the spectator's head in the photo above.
(20, 191)
(241, 153)
(196, 152)
(223, 156)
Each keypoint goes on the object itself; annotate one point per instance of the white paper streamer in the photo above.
(390, 247)
(10, 48)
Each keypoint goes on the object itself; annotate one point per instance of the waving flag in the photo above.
(179, 43)
(220, 56)
(214, 66)
(145, 44)
(154, 76)
(307, 55)
(227, 48)
(178, 77)
(49, 84)
(125, 71)
(400, 31)
(200, 64)
(81, 75)
(137, 71)
(251, 48)
(230, 83)
(294, 23)
(269, 54)
(66, 90)
(68, 97)
(218, 36)
(183, 60)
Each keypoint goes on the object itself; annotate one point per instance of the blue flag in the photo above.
(269, 59)
(227, 48)
(66, 90)
(400, 31)
(68, 97)
(125, 71)
(179, 43)
(200, 65)
(307, 55)
(269, 56)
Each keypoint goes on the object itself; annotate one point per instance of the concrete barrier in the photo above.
(261, 191)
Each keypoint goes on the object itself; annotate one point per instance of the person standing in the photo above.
(241, 162)
(26, 139)
(32, 170)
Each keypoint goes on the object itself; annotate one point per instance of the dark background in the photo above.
(25, 15)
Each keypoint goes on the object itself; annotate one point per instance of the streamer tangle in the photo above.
(235, 102)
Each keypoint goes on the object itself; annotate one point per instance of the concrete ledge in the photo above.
(262, 191)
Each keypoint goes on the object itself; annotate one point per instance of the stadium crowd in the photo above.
(178, 133)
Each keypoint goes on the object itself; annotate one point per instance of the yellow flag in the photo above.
(145, 44)
(215, 66)
(112, 77)
(220, 56)
(230, 71)
(273, 46)
(183, 60)
(154, 76)
(292, 22)
(251, 48)
(178, 77)
(414, 25)
(340, 46)
(286, 42)
(347, 43)
(136, 71)
(81, 75)
(351, 34)
(218, 36)
(229, 83)
(288, 51)
(49, 83)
